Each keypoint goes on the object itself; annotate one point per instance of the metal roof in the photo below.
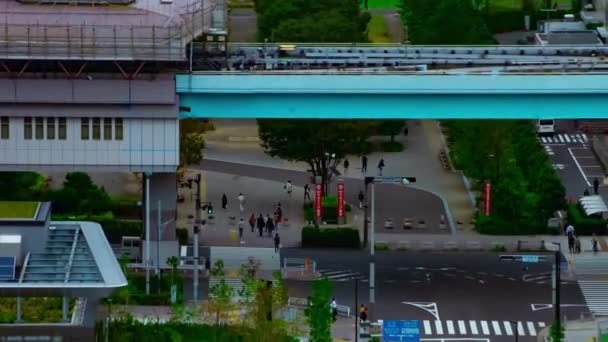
(593, 205)
(76, 255)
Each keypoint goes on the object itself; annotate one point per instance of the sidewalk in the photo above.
(237, 142)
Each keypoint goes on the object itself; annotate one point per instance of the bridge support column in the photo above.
(163, 188)
(19, 318)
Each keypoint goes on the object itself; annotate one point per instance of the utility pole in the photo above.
(556, 284)
(356, 310)
(147, 222)
(365, 223)
(158, 232)
(197, 221)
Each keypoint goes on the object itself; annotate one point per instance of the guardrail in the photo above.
(302, 303)
(302, 266)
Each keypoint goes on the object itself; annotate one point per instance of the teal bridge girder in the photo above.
(392, 95)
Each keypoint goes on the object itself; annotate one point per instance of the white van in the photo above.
(545, 127)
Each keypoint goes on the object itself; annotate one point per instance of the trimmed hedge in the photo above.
(585, 225)
(330, 237)
(113, 228)
(330, 210)
(137, 291)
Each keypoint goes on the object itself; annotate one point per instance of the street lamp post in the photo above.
(372, 274)
(556, 284)
(147, 222)
(197, 221)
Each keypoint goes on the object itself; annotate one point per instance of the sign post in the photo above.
(401, 331)
(318, 200)
(340, 201)
(487, 198)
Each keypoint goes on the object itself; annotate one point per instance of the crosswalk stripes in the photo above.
(343, 275)
(481, 328)
(596, 295)
(565, 139)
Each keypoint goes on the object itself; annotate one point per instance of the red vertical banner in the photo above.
(487, 198)
(318, 201)
(340, 200)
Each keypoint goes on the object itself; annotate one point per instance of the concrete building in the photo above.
(40, 258)
(566, 33)
(92, 87)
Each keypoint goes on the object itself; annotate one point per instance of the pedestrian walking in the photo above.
(361, 197)
(288, 188)
(306, 192)
(380, 167)
(594, 243)
(224, 202)
(241, 199)
(261, 224)
(577, 245)
(269, 226)
(241, 226)
(346, 165)
(363, 313)
(278, 214)
(252, 222)
(334, 309)
(277, 243)
(571, 243)
(569, 230)
(363, 164)
(596, 185)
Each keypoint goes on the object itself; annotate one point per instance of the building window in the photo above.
(27, 128)
(107, 129)
(39, 128)
(4, 127)
(118, 129)
(62, 129)
(96, 128)
(50, 128)
(84, 129)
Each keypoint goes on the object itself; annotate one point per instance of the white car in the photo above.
(545, 127)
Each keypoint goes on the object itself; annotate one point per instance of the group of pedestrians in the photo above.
(381, 165)
(334, 310)
(574, 242)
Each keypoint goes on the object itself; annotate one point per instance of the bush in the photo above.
(330, 210)
(585, 225)
(381, 246)
(137, 291)
(391, 146)
(330, 237)
(492, 225)
(126, 209)
(497, 247)
(182, 235)
(113, 228)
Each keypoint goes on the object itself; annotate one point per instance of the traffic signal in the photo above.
(210, 209)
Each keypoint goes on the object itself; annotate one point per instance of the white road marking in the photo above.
(438, 328)
(543, 139)
(473, 326)
(565, 137)
(469, 277)
(508, 330)
(496, 327)
(427, 328)
(578, 166)
(481, 281)
(520, 329)
(585, 137)
(462, 328)
(513, 279)
(560, 138)
(542, 324)
(450, 326)
(484, 328)
(531, 328)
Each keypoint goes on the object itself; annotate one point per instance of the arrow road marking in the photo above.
(537, 307)
(430, 307)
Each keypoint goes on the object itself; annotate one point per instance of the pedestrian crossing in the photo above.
(596, 295)
(565, 139)
(481, 328)
(343, 275)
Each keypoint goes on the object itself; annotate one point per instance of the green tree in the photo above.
(173, 262)
(21, 186)
(318, 311)
(322, 144)
(390, 127)
(191, 141)
(556, 332)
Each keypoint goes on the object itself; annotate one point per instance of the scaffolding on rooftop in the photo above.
(114, 42)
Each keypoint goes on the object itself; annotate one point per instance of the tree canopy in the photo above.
(191, 142)
(322, 144)
(444, 22)
(311, 21)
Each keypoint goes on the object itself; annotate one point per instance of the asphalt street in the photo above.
(391, 200)
(476, 290)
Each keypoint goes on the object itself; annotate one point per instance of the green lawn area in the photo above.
(376, 30)
(380, 3)
(18, 210)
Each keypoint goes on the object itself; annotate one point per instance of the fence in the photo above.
(113, 42)
(302, 303)
(302, 266)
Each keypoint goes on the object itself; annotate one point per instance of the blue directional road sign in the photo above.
(401, 331)
(529, 258)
